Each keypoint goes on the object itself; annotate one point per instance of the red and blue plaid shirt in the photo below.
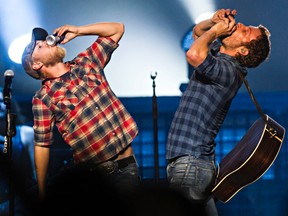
(88, 115)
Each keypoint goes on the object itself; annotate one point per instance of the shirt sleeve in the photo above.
(217, 67)
(43, 123)
(99, 53)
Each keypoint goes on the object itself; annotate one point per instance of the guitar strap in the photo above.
(253, 97)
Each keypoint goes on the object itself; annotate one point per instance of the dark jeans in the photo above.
(122, 175)
(89, 188)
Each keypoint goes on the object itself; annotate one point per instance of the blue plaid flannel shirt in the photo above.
(204, 105)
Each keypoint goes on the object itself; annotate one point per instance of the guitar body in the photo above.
(249, 159)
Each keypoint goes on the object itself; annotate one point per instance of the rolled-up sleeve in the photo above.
(43, 123)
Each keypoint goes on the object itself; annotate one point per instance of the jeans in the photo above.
(193, 178)
(123, 176)
(126, 179)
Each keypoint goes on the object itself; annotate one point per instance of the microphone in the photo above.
(9, 74)
(52, 40)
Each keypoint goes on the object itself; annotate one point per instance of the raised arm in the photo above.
(205, 25)
(206, 32)
(114, 30)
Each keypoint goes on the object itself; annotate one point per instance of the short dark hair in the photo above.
(259, 50)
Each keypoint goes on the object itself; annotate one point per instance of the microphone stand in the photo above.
(155, 128)
(10, 132)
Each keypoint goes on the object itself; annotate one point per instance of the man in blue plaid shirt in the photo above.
(221, 50)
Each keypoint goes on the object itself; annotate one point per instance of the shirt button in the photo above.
(113, 134)
(97, 108)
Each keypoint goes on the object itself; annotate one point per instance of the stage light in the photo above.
(17, 47)
(196, 8)
(203, 16)
(187, 40)
(16, 25)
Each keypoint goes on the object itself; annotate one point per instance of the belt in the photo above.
(110, 166)
(122, 163)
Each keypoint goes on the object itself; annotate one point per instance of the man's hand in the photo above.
(222, 14)
(69, 31)
(224, 27)
(205, 25)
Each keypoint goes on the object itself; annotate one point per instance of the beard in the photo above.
(57, 57)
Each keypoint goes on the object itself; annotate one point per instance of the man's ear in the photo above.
(243, 50)
(37, 66)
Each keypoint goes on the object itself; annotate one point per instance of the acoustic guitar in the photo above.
(249, 159)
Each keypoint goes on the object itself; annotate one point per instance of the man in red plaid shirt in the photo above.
(76, 96)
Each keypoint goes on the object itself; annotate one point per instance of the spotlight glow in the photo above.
(203, 16)
(196, 8)
(23, 17)
(17, 47)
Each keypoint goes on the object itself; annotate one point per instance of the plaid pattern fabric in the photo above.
(204, 105)
(88, 115)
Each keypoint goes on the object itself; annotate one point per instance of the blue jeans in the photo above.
(193, 178)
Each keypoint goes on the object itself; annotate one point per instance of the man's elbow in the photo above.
(121, 28)
(193, 58)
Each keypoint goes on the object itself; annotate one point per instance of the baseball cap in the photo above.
(37, 34)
